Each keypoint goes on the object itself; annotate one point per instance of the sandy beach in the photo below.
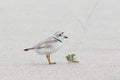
(93, 29)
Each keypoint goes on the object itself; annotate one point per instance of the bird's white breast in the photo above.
(56, 46)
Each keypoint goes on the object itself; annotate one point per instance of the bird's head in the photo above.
(60, 35)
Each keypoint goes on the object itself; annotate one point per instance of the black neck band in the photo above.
(57, 39)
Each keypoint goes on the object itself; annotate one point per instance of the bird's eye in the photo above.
(60, 35)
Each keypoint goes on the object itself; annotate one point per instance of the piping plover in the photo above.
(49, 46)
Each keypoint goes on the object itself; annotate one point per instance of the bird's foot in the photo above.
(52, 63)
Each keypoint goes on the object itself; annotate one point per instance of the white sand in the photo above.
(23, 23)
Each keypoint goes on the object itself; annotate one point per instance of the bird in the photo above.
(49, 45)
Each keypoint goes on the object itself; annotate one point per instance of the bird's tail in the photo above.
(28, 49)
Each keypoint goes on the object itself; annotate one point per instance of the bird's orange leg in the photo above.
(48, 58)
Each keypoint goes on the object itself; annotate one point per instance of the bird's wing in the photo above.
(44, 43)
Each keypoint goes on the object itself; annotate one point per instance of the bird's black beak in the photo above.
(65, 37)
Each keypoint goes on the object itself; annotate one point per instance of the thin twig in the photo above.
(82, 25)
(89, 16)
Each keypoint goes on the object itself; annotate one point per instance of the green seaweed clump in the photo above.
(71, 58)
